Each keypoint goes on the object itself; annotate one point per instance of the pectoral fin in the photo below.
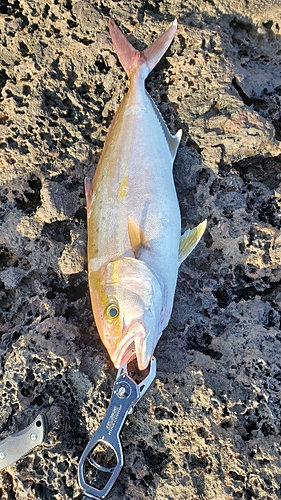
(137, 237)
(189, 240)
(88, 191)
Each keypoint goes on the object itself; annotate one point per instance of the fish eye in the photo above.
(112, 312)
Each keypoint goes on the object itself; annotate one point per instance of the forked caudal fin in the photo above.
(141, 63)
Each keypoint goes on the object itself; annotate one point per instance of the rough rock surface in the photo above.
(209, 428)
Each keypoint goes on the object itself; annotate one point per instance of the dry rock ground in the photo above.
(209, 428)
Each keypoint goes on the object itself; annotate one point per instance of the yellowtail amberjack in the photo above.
(135, 245)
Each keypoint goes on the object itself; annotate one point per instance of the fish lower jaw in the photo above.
(127, 349)
(129, 355)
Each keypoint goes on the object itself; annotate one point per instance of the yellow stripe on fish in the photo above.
(123, 187)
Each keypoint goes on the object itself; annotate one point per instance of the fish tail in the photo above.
(136, 62)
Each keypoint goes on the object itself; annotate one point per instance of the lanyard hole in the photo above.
(99, 466)
(103, 457)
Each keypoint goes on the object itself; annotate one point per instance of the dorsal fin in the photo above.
(172, 140)
(137, 237)
(189, 240)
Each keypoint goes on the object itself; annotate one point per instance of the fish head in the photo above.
(127, 301)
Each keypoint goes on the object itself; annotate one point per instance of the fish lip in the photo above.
(128, 339)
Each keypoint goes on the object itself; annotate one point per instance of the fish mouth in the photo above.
(132, 346)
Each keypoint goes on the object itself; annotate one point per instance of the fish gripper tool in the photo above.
(102, 459)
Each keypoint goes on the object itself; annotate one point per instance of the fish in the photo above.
(135, 246)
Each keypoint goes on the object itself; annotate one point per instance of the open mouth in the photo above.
(128, 355)
(131, 342)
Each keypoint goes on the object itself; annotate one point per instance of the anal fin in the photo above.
(189, 240)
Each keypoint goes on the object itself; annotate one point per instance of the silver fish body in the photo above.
(134, 240)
